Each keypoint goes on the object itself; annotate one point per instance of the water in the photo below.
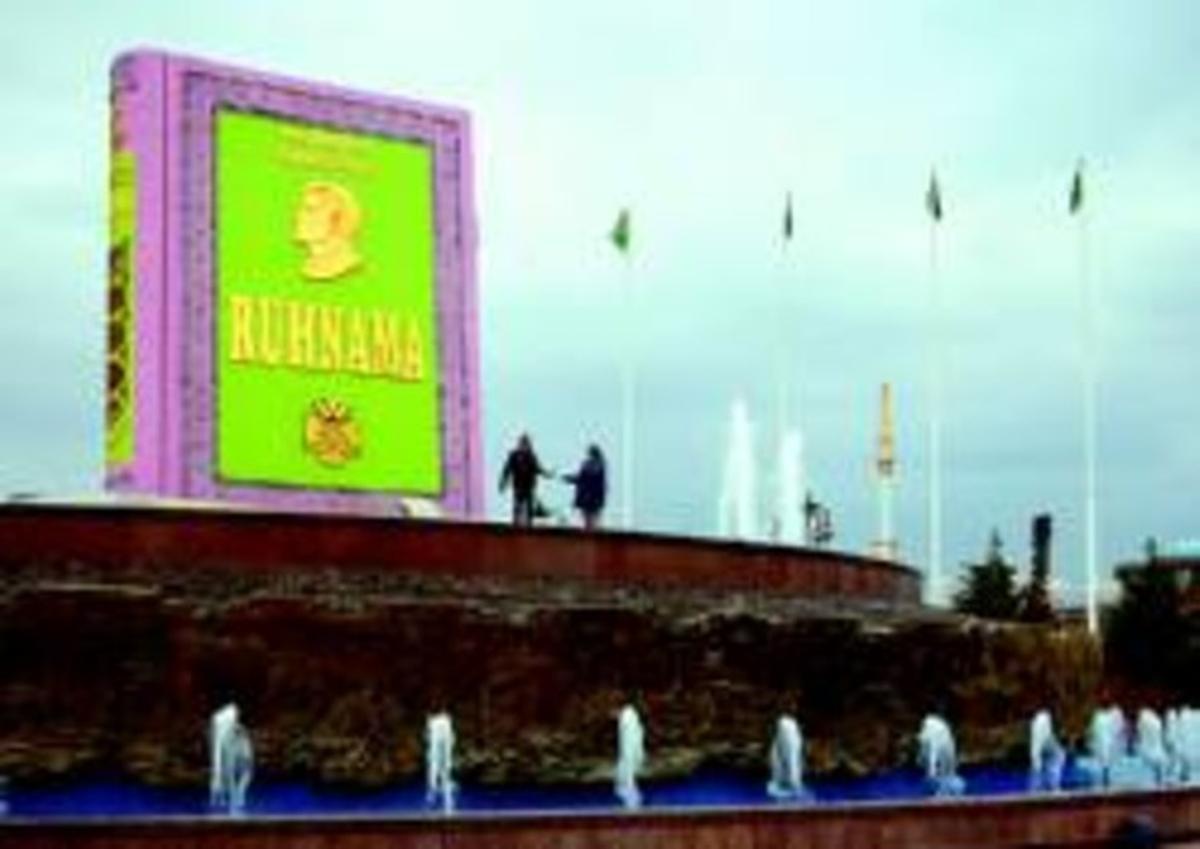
(939, 757)
(1165, 752)
(1046, 755)
(631, 755)
(787, 761)
(1149, 746)
(792, 485)
(231, 760)
(737, 513)
(1161, 753)
(1182, 739)
(117, 798)
(439, 762)
(1108, 745)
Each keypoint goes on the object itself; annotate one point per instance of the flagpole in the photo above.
(780, 389)
(1088, 333)
(934, 593)
(628, 399)
(621, 238)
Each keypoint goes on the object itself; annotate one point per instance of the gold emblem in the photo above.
(331, 434)
(327, 223)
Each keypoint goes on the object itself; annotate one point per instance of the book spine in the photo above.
(133, 370)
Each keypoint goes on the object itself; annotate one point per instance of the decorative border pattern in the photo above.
(123, 86)
(202, 89)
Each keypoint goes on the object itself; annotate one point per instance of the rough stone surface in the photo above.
(335, 674)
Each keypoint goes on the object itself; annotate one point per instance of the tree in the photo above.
(1149, 638)
(989, 588)
(1035, 598)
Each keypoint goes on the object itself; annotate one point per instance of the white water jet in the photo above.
(1149, 747)
(787, 760)
(1172, 741)
(737, 513)
(1182, 739)
(1187, 748)
(631, 756)
(939, 757)
(1107, 743)
(439, 762)
(231, 760)
(1046, 755)
(1112, 763)
(792, 485)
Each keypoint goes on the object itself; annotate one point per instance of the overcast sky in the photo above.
(700, 115)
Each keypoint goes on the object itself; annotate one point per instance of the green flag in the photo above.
(621, 234)
(933, 198)
(787, 219)
(1076, 202)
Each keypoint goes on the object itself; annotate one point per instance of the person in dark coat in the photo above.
(522, 469)
(591, 487)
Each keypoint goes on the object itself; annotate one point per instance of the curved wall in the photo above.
(1061, 820)
(192, 538)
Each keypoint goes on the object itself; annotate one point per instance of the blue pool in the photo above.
(120, 798)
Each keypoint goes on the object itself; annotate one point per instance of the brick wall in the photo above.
(177, 539)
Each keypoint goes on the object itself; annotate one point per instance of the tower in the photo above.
(885, 546)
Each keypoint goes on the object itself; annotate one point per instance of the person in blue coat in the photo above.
(591, 487)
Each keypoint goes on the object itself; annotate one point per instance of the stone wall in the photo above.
(118, 670)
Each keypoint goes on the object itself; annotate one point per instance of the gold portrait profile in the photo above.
(328, 218)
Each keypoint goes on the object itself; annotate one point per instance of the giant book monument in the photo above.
(292, 295)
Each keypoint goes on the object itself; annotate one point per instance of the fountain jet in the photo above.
(1182, 738)
(231, 760)
(787, 760)
(939, 757)
(791, 489)
(439, 762)
(737, 513)
(1150, 748)
(1107, 741)
(631, 755)
(1046, 755)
